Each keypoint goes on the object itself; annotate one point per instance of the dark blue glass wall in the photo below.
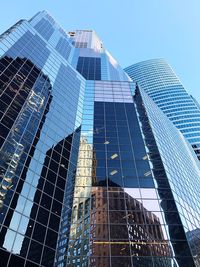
(89, 67)
(116, 132)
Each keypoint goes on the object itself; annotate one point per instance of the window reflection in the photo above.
(118, 220)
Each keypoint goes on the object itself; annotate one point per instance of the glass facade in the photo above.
(172, 158)
(91, 171)
(158, 79)
(41, 101)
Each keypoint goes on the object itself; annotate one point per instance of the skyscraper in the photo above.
(92, 172)
(158, 79)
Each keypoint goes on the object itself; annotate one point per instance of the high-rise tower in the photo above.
(92, 172)
(158, 79)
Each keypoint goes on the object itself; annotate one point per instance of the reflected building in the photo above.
(25, 96)
(194, 238)
(92, 172)
(45, 213)
(138, 225)
(80, 218)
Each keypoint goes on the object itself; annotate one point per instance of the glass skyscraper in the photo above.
(158, 79)
(92, 172)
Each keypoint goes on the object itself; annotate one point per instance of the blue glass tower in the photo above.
(41, 98)
(92, 173)
(158, 79)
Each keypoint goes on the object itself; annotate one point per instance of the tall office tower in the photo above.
(41, 102)
(158, 79)
(92, 172)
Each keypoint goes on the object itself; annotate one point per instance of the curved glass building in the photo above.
(159, 80)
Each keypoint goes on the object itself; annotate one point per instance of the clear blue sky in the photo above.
(132, 30)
